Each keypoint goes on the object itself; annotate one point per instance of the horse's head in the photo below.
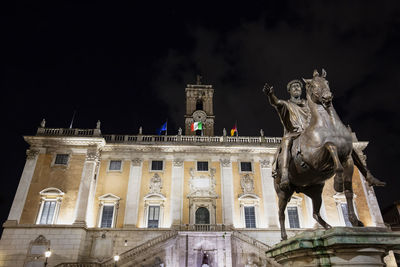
(318, 89)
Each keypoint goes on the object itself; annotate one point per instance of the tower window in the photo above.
(250, 217)
(202, 166)
(199, 104)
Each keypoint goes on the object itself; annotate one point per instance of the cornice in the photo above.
(46, 141)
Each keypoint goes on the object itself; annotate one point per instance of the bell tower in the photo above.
(199, 108)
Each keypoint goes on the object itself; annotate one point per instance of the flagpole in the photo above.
(166, 128)
(72, 120)
(237, 132)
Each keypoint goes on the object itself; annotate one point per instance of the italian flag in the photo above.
(198, 125)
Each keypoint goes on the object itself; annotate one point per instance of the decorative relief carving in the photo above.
(155, 184)
(32, 153)
(247, 183)
(178, 162)
(225, 162)
(265, 164)
(202, 185)
(136, 162)
(92, 156)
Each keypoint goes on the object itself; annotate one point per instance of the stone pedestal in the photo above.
(339, 246)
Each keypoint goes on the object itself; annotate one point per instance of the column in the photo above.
(133, 194)
(227, 191)
(177, 192)
(23, 187)
(268, 194)
(372, 202)
(88, 174)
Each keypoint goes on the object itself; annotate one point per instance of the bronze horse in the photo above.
(322, 150)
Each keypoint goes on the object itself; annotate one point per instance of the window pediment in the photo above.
(109, 198)
(51, 191)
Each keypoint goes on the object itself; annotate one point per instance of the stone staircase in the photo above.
(132, 253)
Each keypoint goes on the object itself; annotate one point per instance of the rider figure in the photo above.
(294, 115)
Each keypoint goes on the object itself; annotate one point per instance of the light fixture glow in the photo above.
(116, 258)
(47, 254)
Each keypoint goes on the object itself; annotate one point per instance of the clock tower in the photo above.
(199, 108)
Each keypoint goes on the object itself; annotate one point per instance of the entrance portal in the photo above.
(202, 216)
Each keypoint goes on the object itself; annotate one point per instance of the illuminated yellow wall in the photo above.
(166, 190)
(65, 178)
(114, 182)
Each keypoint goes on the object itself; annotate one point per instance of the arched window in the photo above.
(199, 104)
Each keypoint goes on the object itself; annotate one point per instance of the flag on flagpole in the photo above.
(162, 128)
(234, 130)
(198, 125)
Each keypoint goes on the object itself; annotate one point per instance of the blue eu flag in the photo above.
(162, 128)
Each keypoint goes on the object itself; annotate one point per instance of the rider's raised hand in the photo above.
(268, 89)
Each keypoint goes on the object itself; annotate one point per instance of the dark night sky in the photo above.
(128, 66)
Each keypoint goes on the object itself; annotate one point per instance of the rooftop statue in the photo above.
(316, 145)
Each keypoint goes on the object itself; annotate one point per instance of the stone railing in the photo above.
(204, 227)
(68, 132)
(189, 139)
(115, 138)
(250, 240)
(132, 253)
(83, 264)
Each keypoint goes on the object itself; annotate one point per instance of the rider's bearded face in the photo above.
(295, 90)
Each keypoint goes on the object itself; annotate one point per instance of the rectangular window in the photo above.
(343, 206)
(115, 165)
(107, 216)
(202, 166)
(48, 210)
(293, 217)
(61, 159)
(245, 167)
(154, 216)
(250, 217)
(157, 165)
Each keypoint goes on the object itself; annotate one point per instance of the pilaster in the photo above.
(227, 191)
(268, 195)
(88, 175)
(177, 191)
(133, 194)
(23, 187)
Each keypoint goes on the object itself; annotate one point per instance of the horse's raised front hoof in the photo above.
(372, 181)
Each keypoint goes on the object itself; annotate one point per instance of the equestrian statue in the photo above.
(316, 146)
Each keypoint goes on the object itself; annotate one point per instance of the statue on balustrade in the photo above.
(315, 146)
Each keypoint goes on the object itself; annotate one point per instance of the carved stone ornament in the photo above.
(265, 164)
(32, 153)
(247, 184)
(178, 162)
(202, 185)
(225, 162)
(92, 156)
(136, 162)
(155, 184)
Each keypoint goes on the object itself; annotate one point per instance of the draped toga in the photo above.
(295, 117)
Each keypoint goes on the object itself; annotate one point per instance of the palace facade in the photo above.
(167, 200)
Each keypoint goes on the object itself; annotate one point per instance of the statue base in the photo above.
(339, 246)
